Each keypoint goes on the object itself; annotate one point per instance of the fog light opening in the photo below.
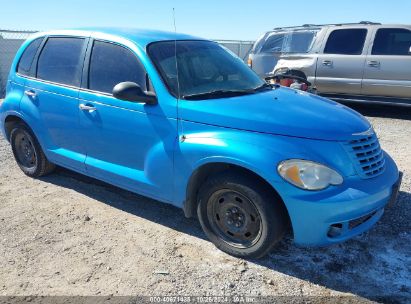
(335, 230)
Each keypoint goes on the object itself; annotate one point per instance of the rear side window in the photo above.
(299, 41)
(346, 42)
(274, 43)
(392, 41)
(111, 64)
(60, 61)
(26, 60)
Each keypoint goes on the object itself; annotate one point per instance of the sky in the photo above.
(212, 19)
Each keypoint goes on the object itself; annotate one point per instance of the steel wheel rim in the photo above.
(25, 152)
(234, 218)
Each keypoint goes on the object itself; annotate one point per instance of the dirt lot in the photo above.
(69, 235)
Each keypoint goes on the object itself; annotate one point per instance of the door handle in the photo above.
(327, 62)
(30, 93)
(373, 63)
(90, 109)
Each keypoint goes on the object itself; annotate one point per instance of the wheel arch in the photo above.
(206, 170)
(10, 121)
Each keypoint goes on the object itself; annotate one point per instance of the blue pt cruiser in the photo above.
(184, 121)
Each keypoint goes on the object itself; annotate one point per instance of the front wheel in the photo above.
(28, 153)
(240, 215)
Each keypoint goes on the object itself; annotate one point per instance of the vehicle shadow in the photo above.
(361, 266)
(375, 265)
(384, 111)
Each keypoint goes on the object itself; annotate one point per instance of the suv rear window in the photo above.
(111, 64)
(392, 41)
(26, 60)
(60, 61)
(286, 42)
(346, 42)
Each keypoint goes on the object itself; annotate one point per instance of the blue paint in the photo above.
(139, 147)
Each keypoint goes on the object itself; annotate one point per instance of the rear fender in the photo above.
(304, 63)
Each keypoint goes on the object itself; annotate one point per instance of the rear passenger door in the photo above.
(341, 64)
(388, 66)
(51, 99)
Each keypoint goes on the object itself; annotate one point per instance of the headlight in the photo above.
(308, 175)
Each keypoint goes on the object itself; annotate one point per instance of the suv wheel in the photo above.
(240, 216)
(28, 153)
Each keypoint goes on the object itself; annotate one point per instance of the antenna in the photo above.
(183, 137)
(175, 49)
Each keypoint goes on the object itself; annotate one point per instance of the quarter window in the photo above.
(26, 59)
(392, 41)
(286, 42)
(346, 42)
(111, 64)
(60, 61)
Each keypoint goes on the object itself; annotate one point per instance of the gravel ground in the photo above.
(67, 234)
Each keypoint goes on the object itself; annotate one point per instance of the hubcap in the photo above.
(26, 155)
(234, 218)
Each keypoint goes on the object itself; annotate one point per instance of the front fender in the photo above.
(251, 151)
(257, 152)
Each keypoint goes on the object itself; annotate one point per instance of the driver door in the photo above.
(126, 141)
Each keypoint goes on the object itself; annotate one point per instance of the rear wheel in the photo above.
(28, 153)
(240, 216)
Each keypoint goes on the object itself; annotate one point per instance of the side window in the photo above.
(111, 64)
(392, 41)
(274, 43)
(60, 61)
(26, 60)
(346, 42)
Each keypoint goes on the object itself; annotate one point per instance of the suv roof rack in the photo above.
(334, 24)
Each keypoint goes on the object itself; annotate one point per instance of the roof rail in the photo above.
(334, 24)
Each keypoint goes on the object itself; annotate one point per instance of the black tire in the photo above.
(28, 153)
(238, 204)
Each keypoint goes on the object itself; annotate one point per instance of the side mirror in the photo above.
(131, 91)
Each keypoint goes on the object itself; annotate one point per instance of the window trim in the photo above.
(375, 36)
(333, 29)
(33, 62)
(82, 57)
(84, 87)
(33, 70)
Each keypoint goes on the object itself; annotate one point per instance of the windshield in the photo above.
(286, 42)
(205, 69)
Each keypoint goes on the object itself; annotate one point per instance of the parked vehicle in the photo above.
(365, 62)
(268, 49)
(182, 120)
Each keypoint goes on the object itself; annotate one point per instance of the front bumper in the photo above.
(342, 212)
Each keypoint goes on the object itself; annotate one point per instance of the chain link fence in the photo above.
(239, 47)
(11, 40)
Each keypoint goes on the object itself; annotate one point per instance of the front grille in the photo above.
(367, 156)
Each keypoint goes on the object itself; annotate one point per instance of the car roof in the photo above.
(141, 37)
(335, 25)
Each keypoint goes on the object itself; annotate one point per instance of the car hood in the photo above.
(281, 111)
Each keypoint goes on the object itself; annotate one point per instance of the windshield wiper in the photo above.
(264, 86)
(228, 93)
(216, 94)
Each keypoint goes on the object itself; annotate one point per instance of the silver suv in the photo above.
(357, 62)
